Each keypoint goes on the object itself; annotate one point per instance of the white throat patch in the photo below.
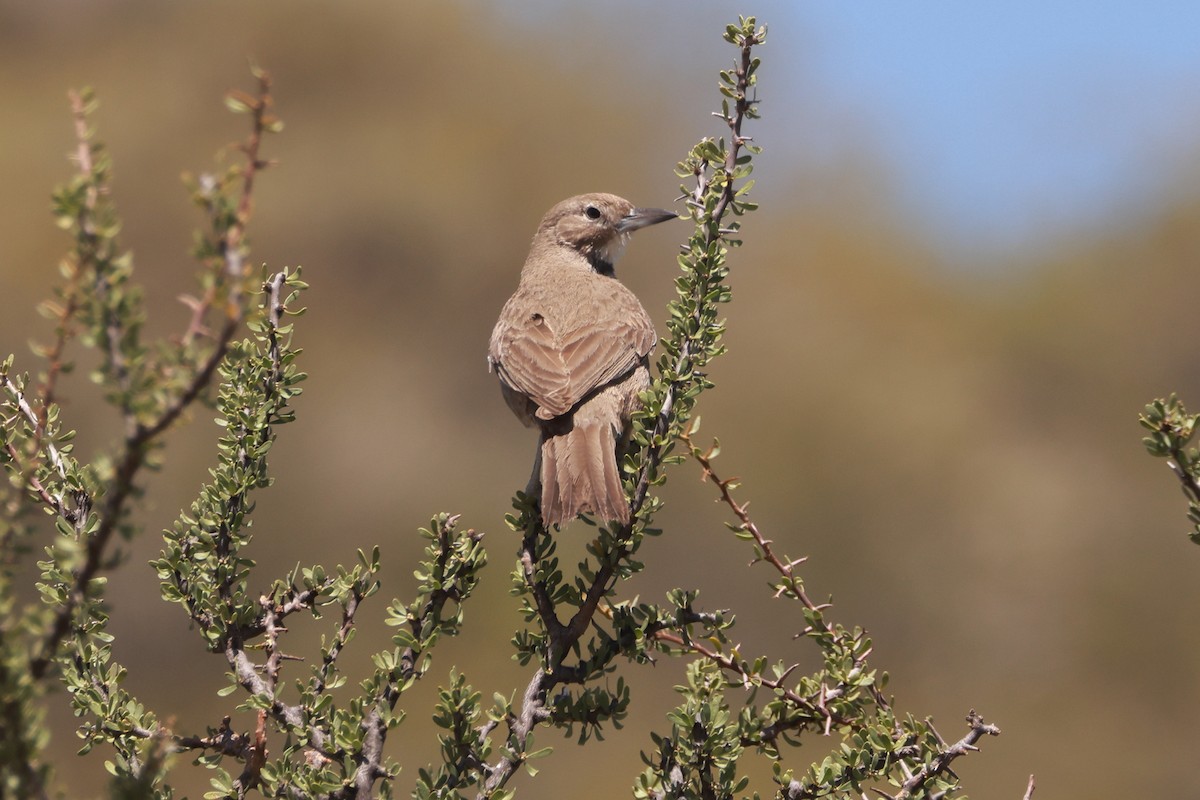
(612, 249)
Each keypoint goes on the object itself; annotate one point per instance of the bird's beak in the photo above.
(642, 217)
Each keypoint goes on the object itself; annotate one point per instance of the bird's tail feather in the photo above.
(580, 474)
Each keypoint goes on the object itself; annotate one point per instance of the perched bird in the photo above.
(571, 350)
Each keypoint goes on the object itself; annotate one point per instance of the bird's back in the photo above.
(567, 330)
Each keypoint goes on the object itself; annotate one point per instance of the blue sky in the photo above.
(1004, 121)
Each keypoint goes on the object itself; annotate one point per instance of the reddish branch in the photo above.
(230, 245)
(786, 568)
(64, 332)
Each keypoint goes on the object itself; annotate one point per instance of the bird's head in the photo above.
(597, 226)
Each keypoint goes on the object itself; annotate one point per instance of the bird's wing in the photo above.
(558, 369)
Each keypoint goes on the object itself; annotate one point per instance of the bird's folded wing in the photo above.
(556, 372)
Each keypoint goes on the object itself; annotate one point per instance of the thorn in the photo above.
(787, 672)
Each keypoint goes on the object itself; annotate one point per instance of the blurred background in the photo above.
(975, 262)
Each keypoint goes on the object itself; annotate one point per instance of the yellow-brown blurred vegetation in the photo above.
(954, 445)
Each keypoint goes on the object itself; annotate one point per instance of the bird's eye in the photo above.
(592, 212)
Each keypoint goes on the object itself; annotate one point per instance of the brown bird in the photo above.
(571, 349)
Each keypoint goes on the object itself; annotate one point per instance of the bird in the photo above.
(571, 349)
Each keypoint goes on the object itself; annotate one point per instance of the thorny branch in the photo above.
(978, 729)
(794, 587)
(791, 583)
